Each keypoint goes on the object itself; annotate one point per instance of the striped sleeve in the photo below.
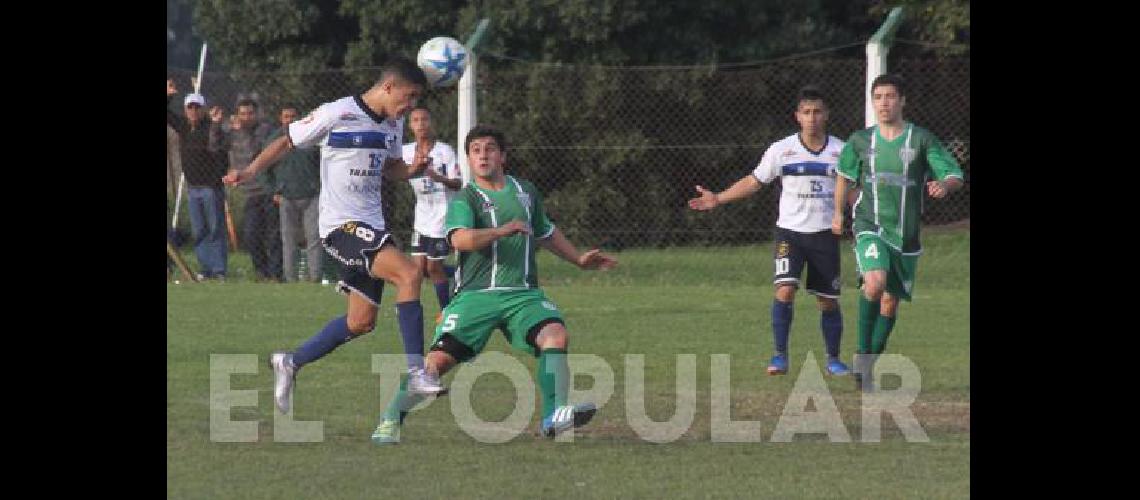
(543, 228)
(942, 162)
(309, 131)
(460, 214)
(848, 165)
(767, 170)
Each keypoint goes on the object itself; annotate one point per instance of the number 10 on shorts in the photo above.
(782, 266)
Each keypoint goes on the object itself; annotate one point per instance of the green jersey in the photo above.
(507, 263)
(891, 176)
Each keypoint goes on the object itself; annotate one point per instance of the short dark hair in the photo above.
(419, 107)
(247, 102)
(809, 93)
(404, 69)
(480, 131)
(889, 79)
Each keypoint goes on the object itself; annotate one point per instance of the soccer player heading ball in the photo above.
(360, 138)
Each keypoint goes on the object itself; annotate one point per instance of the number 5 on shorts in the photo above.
(449, 322)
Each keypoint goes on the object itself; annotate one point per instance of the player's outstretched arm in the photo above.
(468, 240)
(560, 246)
(266, 158)
(708, 200)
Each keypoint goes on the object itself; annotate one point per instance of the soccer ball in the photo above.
(443, 60)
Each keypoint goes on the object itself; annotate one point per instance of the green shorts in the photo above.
(472, 317)
(872, 254)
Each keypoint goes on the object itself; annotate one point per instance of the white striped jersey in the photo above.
(354, 142)
(432, 197)
(808, 178)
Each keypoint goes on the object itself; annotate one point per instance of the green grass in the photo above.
(659, 303)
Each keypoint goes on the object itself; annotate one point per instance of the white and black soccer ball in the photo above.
(443, 60)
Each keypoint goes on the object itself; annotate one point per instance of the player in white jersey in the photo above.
(360, 138)
(434, 190)
(805, 162)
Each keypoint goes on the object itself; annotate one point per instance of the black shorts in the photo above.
(353, 246)
(432, 248)
(820, 251)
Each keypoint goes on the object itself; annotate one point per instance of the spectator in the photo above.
(242, 140)
(298, 186)
(203, 170)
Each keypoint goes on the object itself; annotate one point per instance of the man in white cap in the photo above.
(203, 170)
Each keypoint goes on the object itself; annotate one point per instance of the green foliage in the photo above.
(617, 183)
(296, 35)
(934, 21)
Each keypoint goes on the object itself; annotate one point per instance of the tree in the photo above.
(292, 35)
(632, 176)
(301, 35)
(944, 22)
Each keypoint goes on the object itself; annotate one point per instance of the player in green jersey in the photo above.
(495, 222)
(889, 163)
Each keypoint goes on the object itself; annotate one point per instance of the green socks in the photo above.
(553, 374)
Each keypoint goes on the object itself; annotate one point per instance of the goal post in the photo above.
(467, 109)
(877, 49)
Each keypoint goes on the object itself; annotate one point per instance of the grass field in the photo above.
(659, 303)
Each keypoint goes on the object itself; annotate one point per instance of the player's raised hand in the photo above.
(595, 259)
(706, 201)
(936, 189)
(512, 227)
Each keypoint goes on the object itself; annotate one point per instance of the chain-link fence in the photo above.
(617, 151)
